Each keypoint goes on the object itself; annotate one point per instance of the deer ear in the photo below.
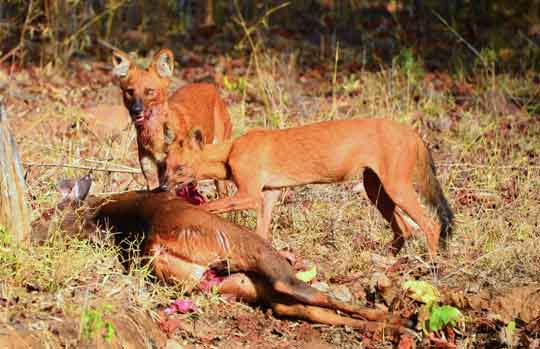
(196, 138)
(75, 191)
(121, 64)
(65, 187)
(82, 187)
(163, 63)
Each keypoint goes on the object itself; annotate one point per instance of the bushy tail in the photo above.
(432, 192)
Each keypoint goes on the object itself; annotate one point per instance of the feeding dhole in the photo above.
(182, 242)
(161, 120)
(395, 163)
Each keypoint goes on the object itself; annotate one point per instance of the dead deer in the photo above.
(183, 241)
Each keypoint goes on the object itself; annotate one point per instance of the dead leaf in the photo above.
(406, 342)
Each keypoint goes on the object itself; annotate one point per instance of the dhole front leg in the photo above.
(161, 173)
(240, 201)
(264, 213)
(149, 170)
(221, 188)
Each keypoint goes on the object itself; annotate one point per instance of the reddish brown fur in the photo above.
(161, 120)
(263, 161)
(184, 241)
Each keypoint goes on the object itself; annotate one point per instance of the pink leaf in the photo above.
(185, 305)
(209, 280)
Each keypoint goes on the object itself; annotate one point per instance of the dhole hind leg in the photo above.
(405, 197)
(378, 196)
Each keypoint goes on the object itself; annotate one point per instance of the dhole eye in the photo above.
(149, 92)
(130, 92)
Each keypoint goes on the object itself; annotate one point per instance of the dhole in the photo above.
(393, 159)
(161, 120)
(184, 241)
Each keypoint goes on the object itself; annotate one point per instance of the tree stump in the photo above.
(14, 212)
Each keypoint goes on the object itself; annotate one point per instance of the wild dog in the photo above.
(183, 242)
(394, 161)
(161, 120)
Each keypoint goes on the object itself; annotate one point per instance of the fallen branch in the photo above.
(80, 167)
(14, 212)
(451, 164)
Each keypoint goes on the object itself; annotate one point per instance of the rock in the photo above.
(321, 286)
(342, 293)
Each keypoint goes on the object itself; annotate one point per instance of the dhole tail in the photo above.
(431, 191)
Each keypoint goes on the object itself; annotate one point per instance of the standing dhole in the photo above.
(394, 160)
(161, 120)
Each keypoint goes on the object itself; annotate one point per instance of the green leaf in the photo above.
(511, 327)
(307, 275)
(442, 316)
(422, 291)
(109, 332)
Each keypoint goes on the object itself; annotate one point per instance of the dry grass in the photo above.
(490, 172)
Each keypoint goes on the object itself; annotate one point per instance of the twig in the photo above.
(451, 164)
(10, 53)
(113, 8)
(23, 32)
(255, 46)
(462, 268)
(90, 168)
(248, 30)
(107, 44)
(461, 38)
(334, 82)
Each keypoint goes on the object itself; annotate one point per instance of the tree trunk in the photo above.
(14, 213)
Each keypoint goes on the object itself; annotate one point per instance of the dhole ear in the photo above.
(121, 64)
(163, 63)
(76, 191)
(196, 138)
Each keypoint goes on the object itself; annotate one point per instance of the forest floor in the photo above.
(484, 133)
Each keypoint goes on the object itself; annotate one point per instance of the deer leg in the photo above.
(306, 294)
(326, 316)
(254, 289)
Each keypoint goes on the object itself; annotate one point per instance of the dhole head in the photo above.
(183, 156)
(143, 89)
